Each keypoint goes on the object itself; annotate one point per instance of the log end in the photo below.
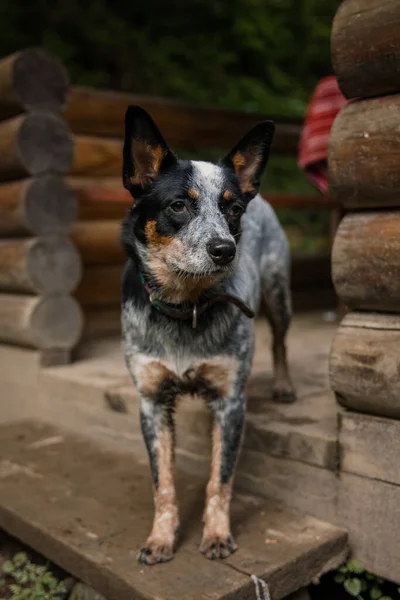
(50, 207)
(54, 265)
(45, 144)
(56, 322)
(40, 81)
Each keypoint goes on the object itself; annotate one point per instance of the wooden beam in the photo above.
(39, 265)
(101, 323)
(105, 198)
(364, 363)
(32, 80)
(33, 144)
(366, 47)
(363, 154)
(48, 322)
(366, 261)
(42, 205)
(98, 242)
(100, 287)
(101, 113)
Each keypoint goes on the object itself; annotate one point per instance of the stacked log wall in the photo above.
(364, 170)
(39, 264)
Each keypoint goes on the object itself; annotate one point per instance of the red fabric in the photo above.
(325, 104)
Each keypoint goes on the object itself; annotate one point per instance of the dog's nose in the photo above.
(221, 251)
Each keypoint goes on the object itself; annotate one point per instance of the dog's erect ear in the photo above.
(249, 157)
(145, 153)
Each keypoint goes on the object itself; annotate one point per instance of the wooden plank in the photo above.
(42, 205)
(101, 113)
(98, 242)
(363, 154)
(54, 499)
(100, 287)
(370, 509)
(102, 322)
(33, 144)
(366, 261)
(32, 80)
(370, 446)
(39, 265)
(364, 365)
(366, 47)
(53, 321)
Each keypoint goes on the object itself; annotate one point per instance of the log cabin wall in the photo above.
(364, 163)
(62, 200)
(39, 264)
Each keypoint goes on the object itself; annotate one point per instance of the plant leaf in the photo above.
(354, 566)
(353, 586)
(386, 598)
(339, 577)
(375, 593)
(21, 558)
(8, 567)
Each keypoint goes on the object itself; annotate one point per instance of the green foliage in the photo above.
(252, 54)
(28, 581)
(360, 584)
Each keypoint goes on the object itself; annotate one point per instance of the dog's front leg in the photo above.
(217, 540)
(157, 424)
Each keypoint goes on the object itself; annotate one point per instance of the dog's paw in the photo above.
(284, 396)
(218, 546)
(155, 552)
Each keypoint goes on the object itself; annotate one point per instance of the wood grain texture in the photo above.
(101, 323)
(365, 365)
(370, 446)
(304, 548)
(98, 242)
(53, 321)
(370, 510)
(42, 205)
(100, 287)
(34, 143)
(102, 113)
(364, 154)
(39, 265)
(32, 80)
(366, 261)
(366, 47)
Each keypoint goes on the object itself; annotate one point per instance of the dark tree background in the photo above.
(263, 55)
(253, 54)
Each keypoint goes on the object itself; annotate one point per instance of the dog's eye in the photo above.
(178, 206)
(235, 210)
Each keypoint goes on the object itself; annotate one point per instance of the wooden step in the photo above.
(88, 510)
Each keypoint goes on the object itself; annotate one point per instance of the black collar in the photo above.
(176, 311)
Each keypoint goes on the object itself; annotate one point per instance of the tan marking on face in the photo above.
(193, 194)
(227, 195)
(166, 518)
(218, 497)
(175, 289)
(147, 160)
(161, 250)
(245, 165)
(220, 374)
(153, 237)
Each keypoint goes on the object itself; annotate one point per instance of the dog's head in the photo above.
(185, 221)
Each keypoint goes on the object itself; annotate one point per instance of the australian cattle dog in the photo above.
(205, 249)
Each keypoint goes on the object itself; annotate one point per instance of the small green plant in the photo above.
(25, 580)
(360, 584)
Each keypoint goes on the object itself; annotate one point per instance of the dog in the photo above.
(204, 248)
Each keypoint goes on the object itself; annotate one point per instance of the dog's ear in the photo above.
(249, 157)
(145, 152)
